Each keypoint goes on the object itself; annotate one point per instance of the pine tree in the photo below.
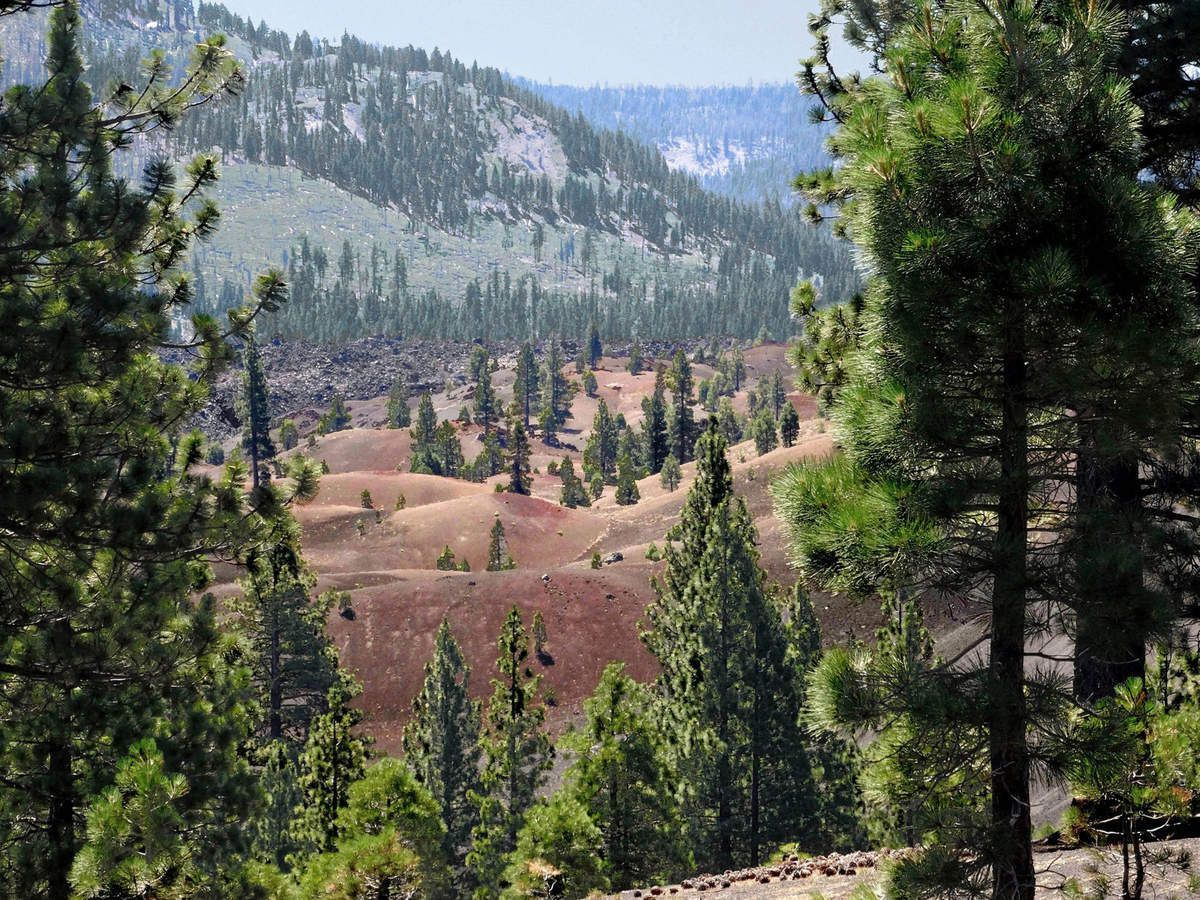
(398, 413)
(836, 763)
(594, 348)
(423, 431)
(620, 777)
(272, 838)
(389, 843)
(445, 561)
(763, 430)
(727, 422)
(954, 399)
(539, 635)
(490, 460)
(518, 754)
(449, 451)
(548, 425)
(682, 435)
(556, 853)
(655, 442)
(289, 435)
(134, 845)
(789, 425)
(526, 384)
(600, 452)
(291, 656)
(627, 489)
(333, 759)
(829, 338)
(777, 394)
(499, 559)
(635, 358)
(573, 493)
(254, 408)
(518, 459)
(738, 369)
(729, 693)
(108, 532)
(485, 406)
(336, 418)
(441, 745)
(671, 473)
(556, 391)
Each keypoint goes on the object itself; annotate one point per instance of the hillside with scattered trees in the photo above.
(398, 186)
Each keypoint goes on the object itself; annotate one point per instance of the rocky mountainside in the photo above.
(417, 183)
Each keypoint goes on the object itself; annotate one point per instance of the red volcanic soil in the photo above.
(360, 449)
(591, 615)
(591, 619)
(386, 557)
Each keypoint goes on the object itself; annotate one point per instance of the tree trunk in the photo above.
(275, 720)
(1012, 863)
(1110, 635)
(755, 780)
(61, 822)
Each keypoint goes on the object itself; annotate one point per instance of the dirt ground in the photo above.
(1077, 872)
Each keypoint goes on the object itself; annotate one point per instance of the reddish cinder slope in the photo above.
(591, 619)
(592, 616)
(386, 557)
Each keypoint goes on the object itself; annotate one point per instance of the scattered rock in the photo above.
(613, 558)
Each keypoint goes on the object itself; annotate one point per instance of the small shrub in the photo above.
(401, 502)
(596, 563)
(215, 455)
(365, 499)
(445, 561)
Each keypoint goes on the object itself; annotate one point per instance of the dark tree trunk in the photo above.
(755, 781)
(1111, 624)
(61, 822)
(275, 721)
(1012, 863)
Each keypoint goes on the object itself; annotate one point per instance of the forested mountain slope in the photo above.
(745, 141)
(409, 194)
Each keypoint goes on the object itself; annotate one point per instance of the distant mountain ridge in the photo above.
(409, 194)
(747, 141)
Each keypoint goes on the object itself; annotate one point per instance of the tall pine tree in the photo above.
(108, 534)
(975, 384)
(254, 407)
(729, 695)
(518, 755)
(441, 745)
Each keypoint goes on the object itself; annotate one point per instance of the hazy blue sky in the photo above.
(575, 41)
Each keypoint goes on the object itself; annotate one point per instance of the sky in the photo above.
(580, 42)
